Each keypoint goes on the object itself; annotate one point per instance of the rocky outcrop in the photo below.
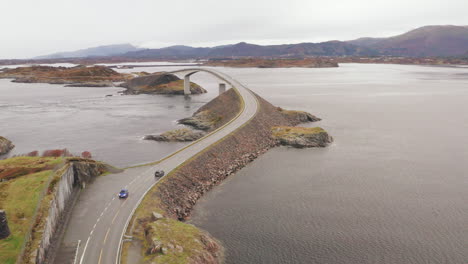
(302, 137)
(298, 116)
(177, 135)
(159, 83)
(215, 113)
(204, 120)
(5, 145)
(79, 75)
(169, 241)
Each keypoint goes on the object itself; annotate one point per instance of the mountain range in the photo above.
(428, 41)
(100, 51)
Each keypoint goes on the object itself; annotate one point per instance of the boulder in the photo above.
(156, 216)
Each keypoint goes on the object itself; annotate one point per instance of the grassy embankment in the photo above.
(19, 197)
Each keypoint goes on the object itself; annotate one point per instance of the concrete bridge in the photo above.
(99, 220)
(188, 72)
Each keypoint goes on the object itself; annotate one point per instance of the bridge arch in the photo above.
(189, 72)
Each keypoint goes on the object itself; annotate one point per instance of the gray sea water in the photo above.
(392, 188)
(46, 116)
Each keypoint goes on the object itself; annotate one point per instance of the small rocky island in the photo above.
(302, 137)
(159, 83)
(92, 76)
(274, 63)
(5, 145)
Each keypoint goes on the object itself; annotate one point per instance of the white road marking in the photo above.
(84, 250)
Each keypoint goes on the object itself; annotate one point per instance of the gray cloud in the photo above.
(32, 27)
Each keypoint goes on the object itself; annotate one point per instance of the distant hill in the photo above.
(428, 41)
(100, 51)
(242, 49)
(421, 42)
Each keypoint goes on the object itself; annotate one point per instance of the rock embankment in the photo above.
(302, 137)
(159, 83)
(180, 190)
(96, 76)
(215, 113)
(212, 115)
(177, 193)
(5, 145)
(177, 135)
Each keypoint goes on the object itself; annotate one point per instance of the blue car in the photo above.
(123, 193)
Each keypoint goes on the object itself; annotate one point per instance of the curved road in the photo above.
(99, 218)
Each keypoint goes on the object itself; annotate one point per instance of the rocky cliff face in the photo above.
(57, 203)
(5, 145)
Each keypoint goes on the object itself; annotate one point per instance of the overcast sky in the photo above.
(37, 27)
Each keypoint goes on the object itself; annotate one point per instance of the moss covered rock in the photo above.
(170, 241)
(298, 116)
(177, 135)
(302, 137)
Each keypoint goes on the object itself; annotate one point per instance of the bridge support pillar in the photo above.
(222, 88)
(187, 84)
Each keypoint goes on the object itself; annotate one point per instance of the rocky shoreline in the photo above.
(92, 76)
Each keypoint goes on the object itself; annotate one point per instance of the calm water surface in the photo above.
(393, 188)
(45, 116)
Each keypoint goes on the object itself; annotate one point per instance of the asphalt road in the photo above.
(100, 217)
